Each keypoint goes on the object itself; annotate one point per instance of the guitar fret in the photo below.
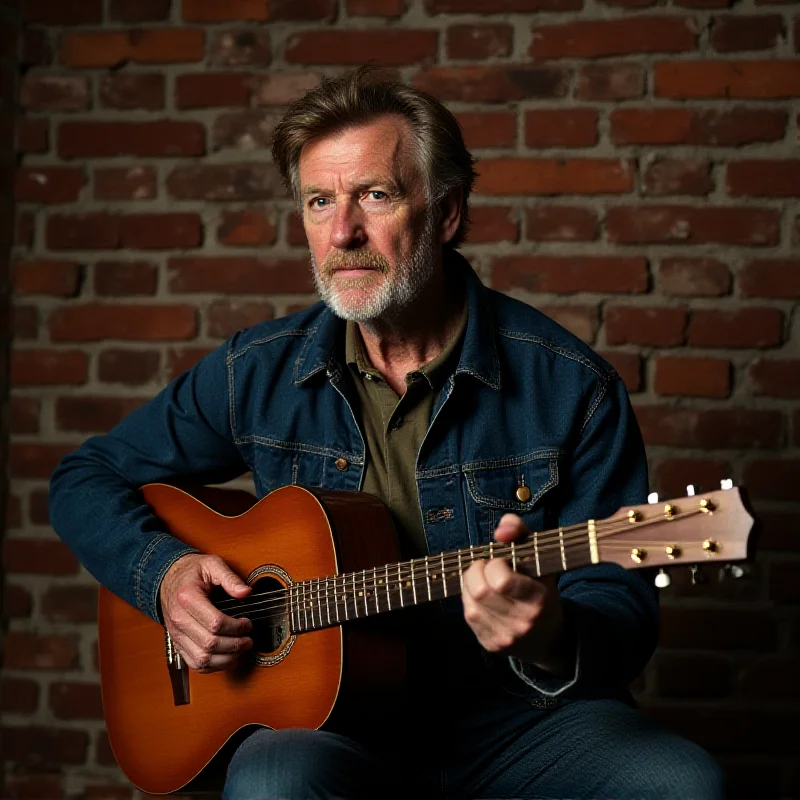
(413, 582)
(388, 593)
(400, 587)
(328, 600)
(305, 604)
(364, 589)
(513, 557)
(536, 552)
(563, 552)
(375, 589)
(344, 597)
(444, 577)
(428, 578)
(460, 572)
(355, 596)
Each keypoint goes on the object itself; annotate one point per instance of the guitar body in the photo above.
(160, 740)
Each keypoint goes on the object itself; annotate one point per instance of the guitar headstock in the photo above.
(696, 529)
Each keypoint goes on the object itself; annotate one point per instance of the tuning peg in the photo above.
(652, 498)
(731, 571)
(662, 579)
(690, 490)
(726, 483)
(698, 576)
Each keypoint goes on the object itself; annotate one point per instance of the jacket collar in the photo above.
(478, 355)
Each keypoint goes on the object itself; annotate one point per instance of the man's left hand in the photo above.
(514, 614)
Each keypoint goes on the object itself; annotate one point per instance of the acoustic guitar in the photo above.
(321, 565)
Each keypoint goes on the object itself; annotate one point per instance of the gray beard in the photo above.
(395, 294)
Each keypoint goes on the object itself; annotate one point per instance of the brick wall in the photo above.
(639, 182)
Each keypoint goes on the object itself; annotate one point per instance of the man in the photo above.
(472, 416)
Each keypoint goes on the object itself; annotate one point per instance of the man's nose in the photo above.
(348, 227)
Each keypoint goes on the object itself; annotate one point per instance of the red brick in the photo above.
(147, 139)
(724, 428)
(242, 47)
(139, 10)
(393, 47)
(59, 278)
(772, 677)
(671, 477)
(601, 38)
(610, 82)
(376, 8)
(744, 327)
(24, 786)
(247, 182)
(209, 90)
(214, 11)
(704, 3)
(17, 602)
(280, 90)
(96, 231)
(159, 231)
(125, 278)
(478, 42)
(36, 460)
(45, 747)
(109, 48)
(38, 557)
(250, 227)
(718, 629)
(25, 229)
(39, 507)
(63, 12)
(627, 365)
(488, 129)
(775, 278)
(500, 6)
(103, 753)
(571, 127)
(504, 176)
(49, 367)
(48, 184)
(101, 792)
(18, 696)
(13, 511)
(567, 274)
(692, 225)
(772, 479)
(763, 178)
(703, 277)
(493, 84)
(239, 275)
(656, 327)
(129, 367)
(561, 224)
(94, 323)
(672, 176)
(180, 360)
(70, 604)
(693, 377)
(724, 128)
(39, 92)
(732, 33)
(225, 317)
(492, 224)
(134, 91)
(776, 377)
(24, 414)
(125, 183)
(29, 651)
(35, 50)
(75, 700)
(694, 676)
(581, 321)
(33, 136)
(93, 414)
(730, 80)
(244, 130)
(25, 322)
(779, 530)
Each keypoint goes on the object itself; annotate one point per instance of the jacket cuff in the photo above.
(162, 552)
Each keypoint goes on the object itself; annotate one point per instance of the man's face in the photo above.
(372, 238)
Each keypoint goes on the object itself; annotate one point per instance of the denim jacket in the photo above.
(527, 402)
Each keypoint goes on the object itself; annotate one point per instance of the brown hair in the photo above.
(356, 98)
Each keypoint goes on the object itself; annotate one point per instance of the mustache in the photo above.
(353, 259)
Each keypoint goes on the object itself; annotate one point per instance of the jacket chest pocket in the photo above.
(510, 486)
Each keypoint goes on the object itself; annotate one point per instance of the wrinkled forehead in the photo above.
(383, 150)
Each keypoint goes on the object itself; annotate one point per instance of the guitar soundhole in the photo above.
(269, 617)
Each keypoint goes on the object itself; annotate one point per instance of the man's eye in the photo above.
(319, 202)
(377, 194)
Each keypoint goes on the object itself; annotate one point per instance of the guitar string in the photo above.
(575, 532)
(279, 599)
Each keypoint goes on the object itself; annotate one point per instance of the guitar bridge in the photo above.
(178, 672)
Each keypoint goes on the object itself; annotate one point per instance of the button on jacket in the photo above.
(528, 406)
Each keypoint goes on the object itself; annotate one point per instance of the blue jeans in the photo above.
(585, 749)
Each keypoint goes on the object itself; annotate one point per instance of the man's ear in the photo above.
(450, 208)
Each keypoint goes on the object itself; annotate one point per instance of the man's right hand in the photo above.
(207, 639)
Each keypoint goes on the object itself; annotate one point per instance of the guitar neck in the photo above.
(324, 602)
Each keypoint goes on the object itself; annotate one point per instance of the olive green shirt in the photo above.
(394, 428)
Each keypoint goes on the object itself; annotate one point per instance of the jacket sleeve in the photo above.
(612, 612)
(95, 502)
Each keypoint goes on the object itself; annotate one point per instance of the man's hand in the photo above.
(512, 613)
(207, 639)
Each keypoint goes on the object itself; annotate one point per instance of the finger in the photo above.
(510, 528)
(220, 574)
(195, 601)
(200, 660)
(510, 585)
